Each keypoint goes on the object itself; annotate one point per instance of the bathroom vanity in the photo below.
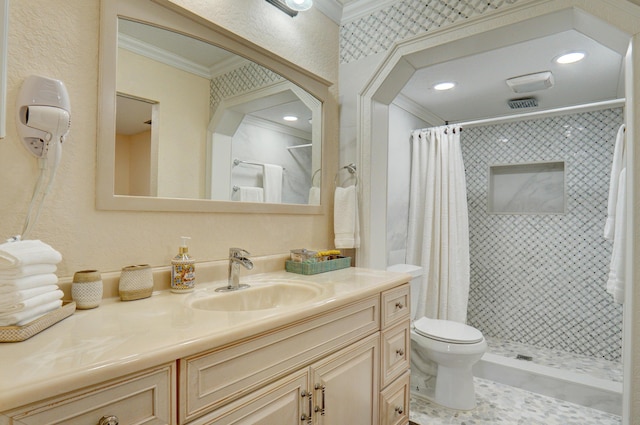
(335, 350)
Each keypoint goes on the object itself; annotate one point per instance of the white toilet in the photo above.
(454, 347)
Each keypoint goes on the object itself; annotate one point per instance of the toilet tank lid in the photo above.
(414, 271)
(447, 331)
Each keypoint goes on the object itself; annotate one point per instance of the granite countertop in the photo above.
(119, 338)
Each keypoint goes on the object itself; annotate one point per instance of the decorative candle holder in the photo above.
(136, 282)
(86, 289)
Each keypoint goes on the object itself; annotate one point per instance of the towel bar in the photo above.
(352, 170)
(241, 161)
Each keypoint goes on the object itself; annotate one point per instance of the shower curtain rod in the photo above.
(558, 111)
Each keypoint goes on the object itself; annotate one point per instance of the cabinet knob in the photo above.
(399, 410)
(108, 420)
(399, 305)
(400, 352)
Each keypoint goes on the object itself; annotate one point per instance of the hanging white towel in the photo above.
(616, 168)
(272, 183)
(250, 194)
(22, 253)
(346, 223)
(314, 196)
(616, 280)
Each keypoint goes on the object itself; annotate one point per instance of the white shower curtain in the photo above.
(438, 230)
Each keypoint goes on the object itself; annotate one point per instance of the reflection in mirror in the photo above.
(134, 174)
(198, 122)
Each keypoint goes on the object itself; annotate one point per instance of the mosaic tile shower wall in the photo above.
(243, 79)
(378, 31)
(540, 279)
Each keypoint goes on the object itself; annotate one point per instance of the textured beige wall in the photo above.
(59, 39)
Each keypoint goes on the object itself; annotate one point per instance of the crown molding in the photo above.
(162, 56)
(344, 11)
(357, 9)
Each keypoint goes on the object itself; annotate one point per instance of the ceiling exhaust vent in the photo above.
(527, 102)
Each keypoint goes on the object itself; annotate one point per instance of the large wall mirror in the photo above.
(196, 119)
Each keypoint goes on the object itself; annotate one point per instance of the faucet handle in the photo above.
(238, 252)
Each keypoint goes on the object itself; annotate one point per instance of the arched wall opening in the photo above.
(615, 25)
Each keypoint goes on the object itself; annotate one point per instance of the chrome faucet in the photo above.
(237, 257)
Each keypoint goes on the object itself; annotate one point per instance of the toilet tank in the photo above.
(416, 282)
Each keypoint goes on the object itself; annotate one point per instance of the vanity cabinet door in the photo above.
(394, 402)
(285, 402)
(346, 385)
(144, 398)
(395, 352)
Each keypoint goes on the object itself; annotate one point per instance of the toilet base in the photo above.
(455, 388)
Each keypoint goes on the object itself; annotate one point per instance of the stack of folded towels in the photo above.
(28, 283)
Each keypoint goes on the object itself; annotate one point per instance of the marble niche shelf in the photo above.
(527, 188)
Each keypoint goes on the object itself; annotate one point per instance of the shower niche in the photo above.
(527, 188)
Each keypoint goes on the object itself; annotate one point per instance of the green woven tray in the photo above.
(319, 267)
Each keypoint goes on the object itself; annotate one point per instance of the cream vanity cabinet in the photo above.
(340, 367)
(348, 365)
(147, 397)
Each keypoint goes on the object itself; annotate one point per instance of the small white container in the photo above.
(136, 282)
(86, 289)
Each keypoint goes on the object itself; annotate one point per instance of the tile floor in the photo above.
(505, 405)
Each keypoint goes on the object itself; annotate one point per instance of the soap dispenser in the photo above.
(183, 269)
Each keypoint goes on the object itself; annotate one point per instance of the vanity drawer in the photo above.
(395, 305)
(144, 398)
(395, 352)
(394, 402)
(209, 380)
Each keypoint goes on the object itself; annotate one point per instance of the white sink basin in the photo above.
(261, 295)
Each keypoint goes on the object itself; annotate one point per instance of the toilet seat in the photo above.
(447, 331)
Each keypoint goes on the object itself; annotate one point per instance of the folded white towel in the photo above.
(12, 285)
(14, 297)
(346, 223)
(24, 271)
(22, 253)
(250, 194)
(616, 280)
(314, 196)
(614, 179)
(7, 309)
(23, 317)
(272, 183)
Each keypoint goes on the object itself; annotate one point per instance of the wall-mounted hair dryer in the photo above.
(43, 120)
(43, 114)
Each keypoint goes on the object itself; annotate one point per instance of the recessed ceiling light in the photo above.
(299, 5)
(448, 85)
(570, 57)
(290, 118)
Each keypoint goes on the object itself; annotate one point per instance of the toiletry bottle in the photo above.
(183, 270)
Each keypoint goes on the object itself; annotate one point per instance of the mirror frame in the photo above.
(164, 14)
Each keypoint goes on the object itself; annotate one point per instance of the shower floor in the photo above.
(597, 368)
(509, 405)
